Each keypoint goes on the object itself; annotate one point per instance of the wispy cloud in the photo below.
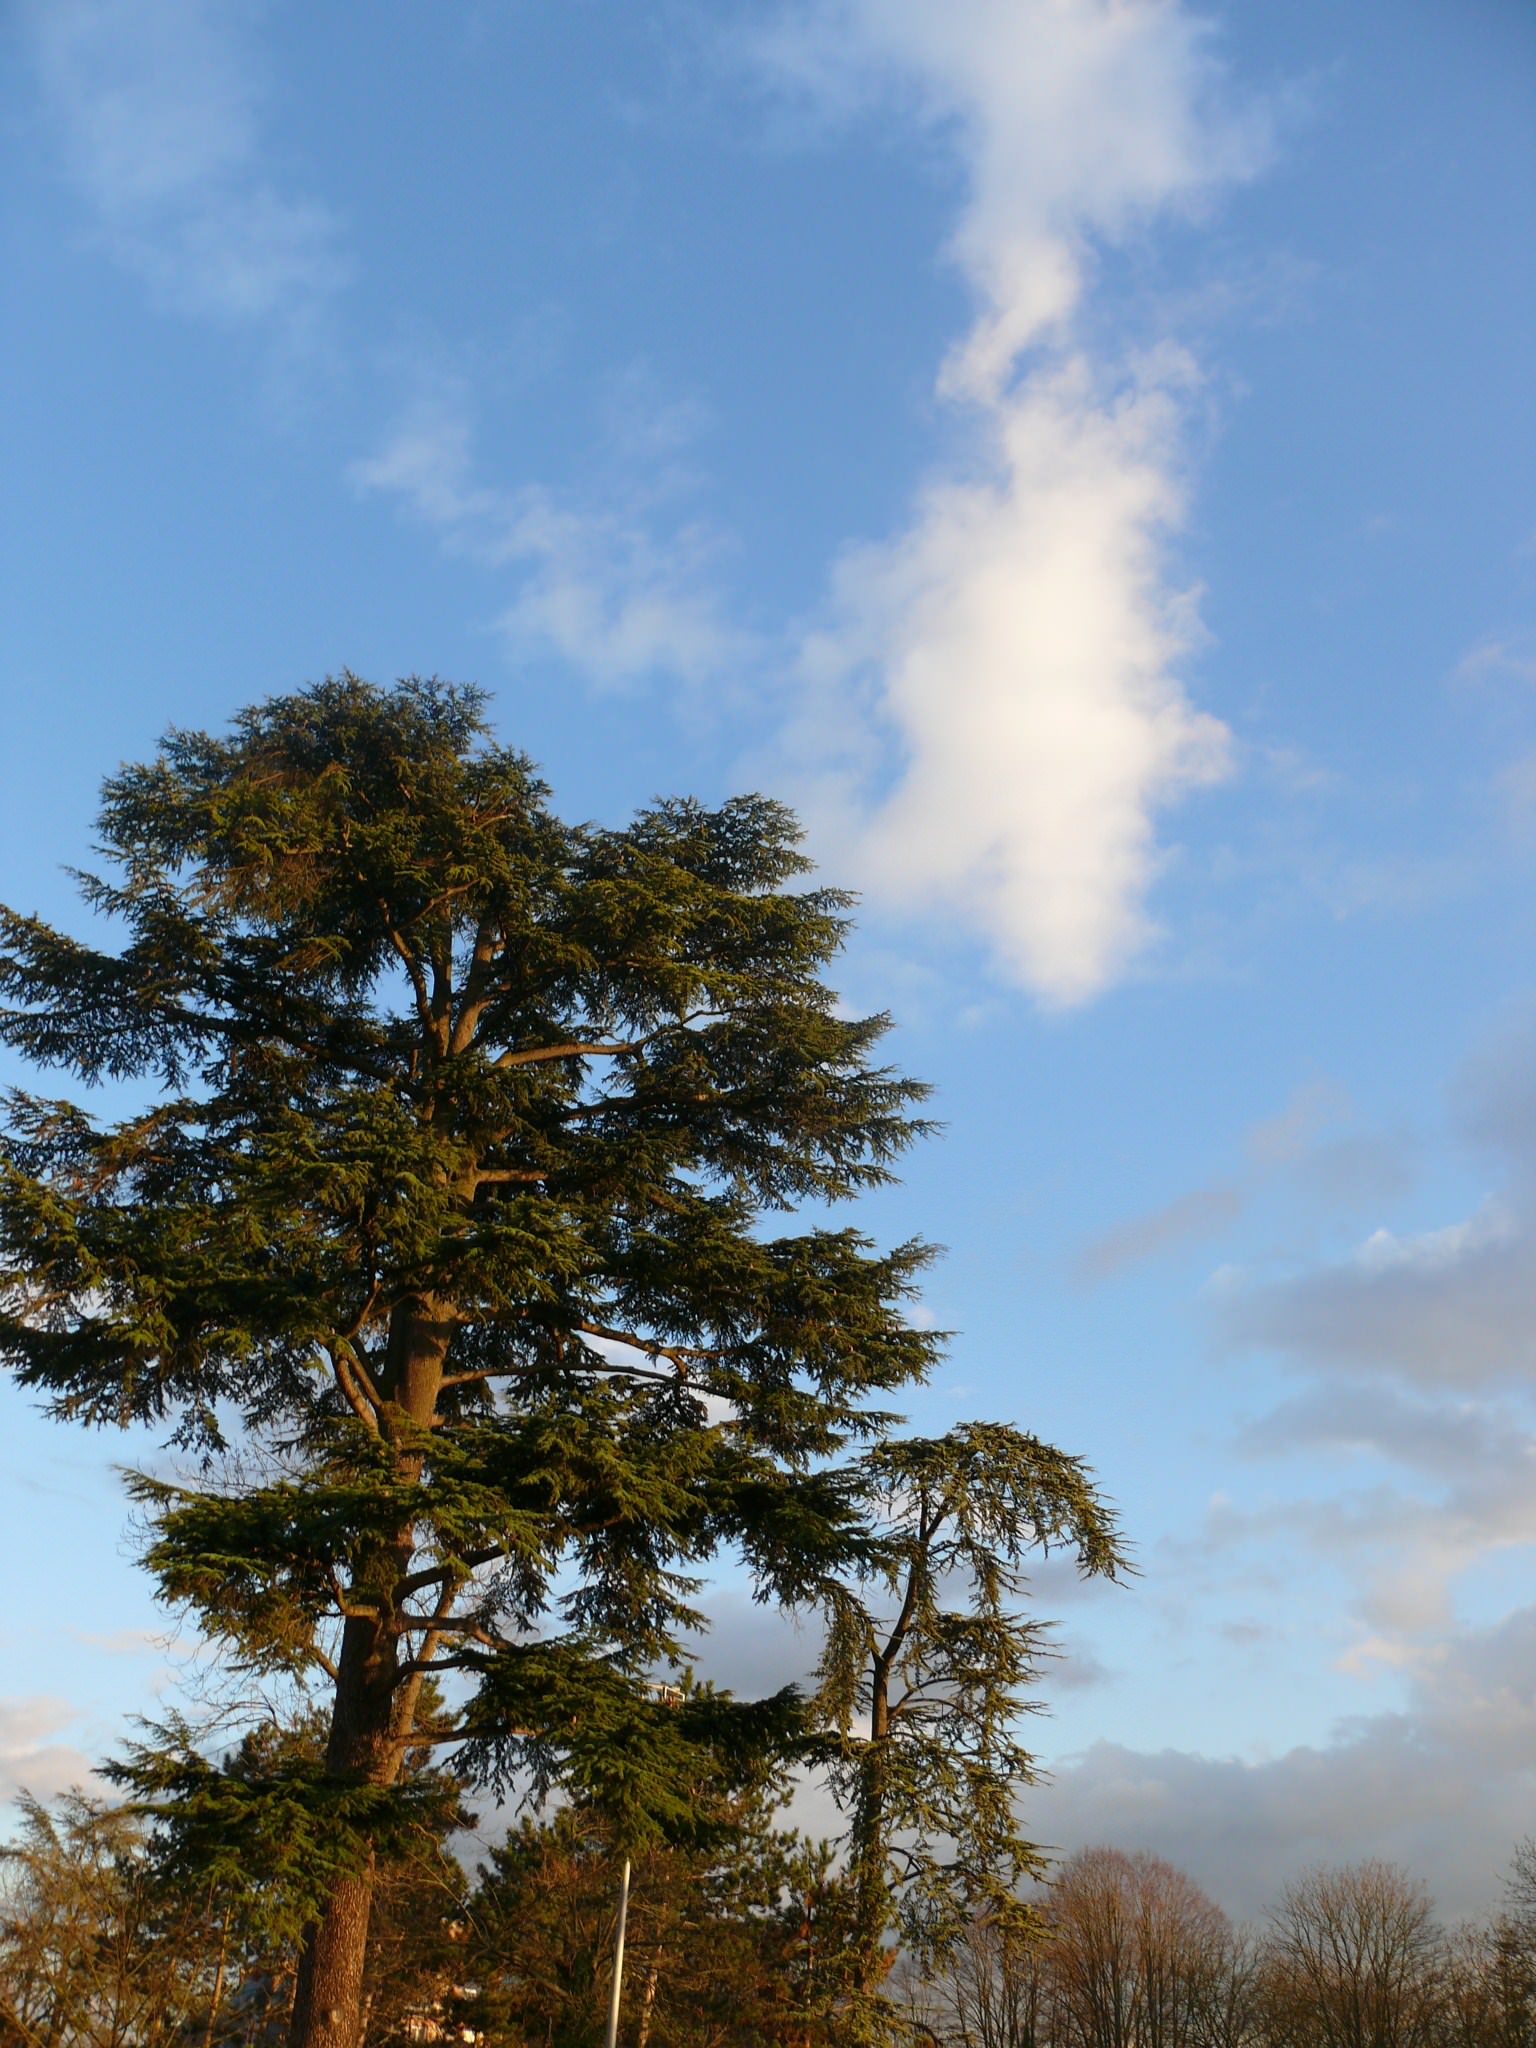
(1508, 657)
(1441, 1486)
(157, 107)
(30, 1759)
(1018, 649)
(601, 586)
(1451, 1307)
(1282, 1139)
(1301, 1149)
(1188, 1219)
(1411, 1359)
(1515, 787)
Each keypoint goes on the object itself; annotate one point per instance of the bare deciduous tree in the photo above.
(1490, 1977)
(1354, 1961)
(998, 1992)
(1140, 1954)
(93, 1953)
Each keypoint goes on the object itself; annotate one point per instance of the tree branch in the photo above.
(680, 1354)
(354, 1329)
(413, 968)
(415, 1582)
(536, 1055)
(225, 1027)
(485, 951)
(578, 1050)
(357, 1390)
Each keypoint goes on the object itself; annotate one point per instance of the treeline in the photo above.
(1133, 1954)
(104, 1944)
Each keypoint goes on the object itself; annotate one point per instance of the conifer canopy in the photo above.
(454, 1203)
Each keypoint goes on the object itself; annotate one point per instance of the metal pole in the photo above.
(611, 2038)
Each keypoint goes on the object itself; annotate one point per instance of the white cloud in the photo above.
(156, 106)
(1500, 657)
(596, 586)
(1023, 640)
(1024, 635)
(1076, 120)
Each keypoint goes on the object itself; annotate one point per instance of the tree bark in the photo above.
(648, 2002)
(328, 1997)
(217, 1997)
(373, 1712)
(867, 1862)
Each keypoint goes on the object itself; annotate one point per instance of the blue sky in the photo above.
(1082, 455)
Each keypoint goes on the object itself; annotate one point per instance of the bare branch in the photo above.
(577, 1050)
(437, 1575)
(360, 1398)
(487, 946)
(354, 1330)
(413, 969)
(680, 1354)
(537, 1055)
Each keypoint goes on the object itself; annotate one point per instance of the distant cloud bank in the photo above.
(1446, 1788)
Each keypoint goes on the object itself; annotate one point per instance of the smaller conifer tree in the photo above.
(927, 1674)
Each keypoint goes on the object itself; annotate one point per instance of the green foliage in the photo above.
(453, 1207)
(728, 1947)
(654, 1765)
(268, 1829)
(927, 1674)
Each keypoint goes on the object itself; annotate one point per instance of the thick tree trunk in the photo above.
(328, 1999)
(373, 1713)
(327, 2010)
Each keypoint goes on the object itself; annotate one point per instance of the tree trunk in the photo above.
(867, 1861)
(373, 1714)
(217, 1998)
(648, 2002)
(328, 1997)
(327, 2011)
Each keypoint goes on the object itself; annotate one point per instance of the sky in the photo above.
(1082, 453)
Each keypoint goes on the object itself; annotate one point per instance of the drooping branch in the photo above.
(681, 1354)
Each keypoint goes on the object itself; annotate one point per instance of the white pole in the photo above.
(611, 2038)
